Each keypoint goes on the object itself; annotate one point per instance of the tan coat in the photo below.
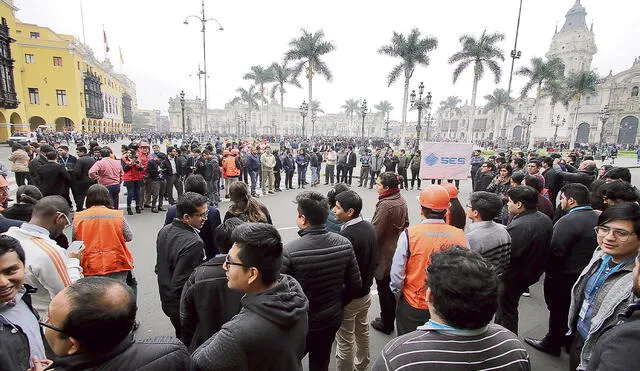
(389, 220)
(19, 161)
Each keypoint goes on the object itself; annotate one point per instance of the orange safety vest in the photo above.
(105, 248)
(424, 239)
(229, 168)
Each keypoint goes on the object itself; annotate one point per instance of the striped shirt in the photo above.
(490, 348)
(493, 242)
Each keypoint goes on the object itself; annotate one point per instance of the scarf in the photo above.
(388, 192)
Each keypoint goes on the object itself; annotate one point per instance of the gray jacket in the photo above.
(376, 163)
(614, 297)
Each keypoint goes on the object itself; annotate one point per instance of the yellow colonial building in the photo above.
(54, 80)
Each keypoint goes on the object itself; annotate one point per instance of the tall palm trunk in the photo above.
(404, 112)
(281, 110)
(574, 130)
(536, 110)
(310, 77)
(474, 93)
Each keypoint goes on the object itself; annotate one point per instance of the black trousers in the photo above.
(415, 175)
(80, 193)
(22, 177)
(374, 177)
(276, 179)
(508, 300)
(409, 318)
(402, 171)
(339, 168)
(387, 302)
(288, 179)
(557, 295)
(328, 173)
(347, 174)
(319, 342)
(576, 350)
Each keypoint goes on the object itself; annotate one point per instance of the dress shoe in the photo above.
(129, 211)
(378, 325)
(543, 346)
(138, 210)
(162, 209)
(154, 210)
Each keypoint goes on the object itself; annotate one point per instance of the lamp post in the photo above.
(313, 122)
(557, 123)
(182, 106)
(528, 124)
(363, 112)
(386, 123)
(604, 117)
(203, 20)
(515, 54)
(429, 122)
(303, 112)
(420, 104)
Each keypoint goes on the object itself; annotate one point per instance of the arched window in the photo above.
(634, 91)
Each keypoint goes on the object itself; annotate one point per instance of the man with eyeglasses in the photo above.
(484, 176)
(179, 251)
(572, 245)
(50, 268)
(20, 337)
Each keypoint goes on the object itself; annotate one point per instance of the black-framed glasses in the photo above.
(45, 324)
(228, 262)
(620, 234)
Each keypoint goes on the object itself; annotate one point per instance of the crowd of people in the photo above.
(239, 298)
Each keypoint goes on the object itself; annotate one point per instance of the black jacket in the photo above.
(6, 223)
(552, 182)
(207, 232)
(179, 251)
(53, 179)
(577, 176)
(18, 212)
(159, 353)
(364, 240)
(269, 333)
(350, 159)
(81, 169)
(207, 303)
(325, 265)
(34, 165)
(14, 344)
(617, 348)
(483, 180)
(530, 234)
(573, 243)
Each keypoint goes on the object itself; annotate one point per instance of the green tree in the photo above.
(498, 101)
(539, 73)
(260, 76)
(480, 52)
(350, 107)
(412, 51)
(579, 85)
(557, 92)
(282, 75)
(450, 105)
(307, 51)
(384, 107)
(252, 98)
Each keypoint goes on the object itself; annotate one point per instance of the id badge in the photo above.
(583, 309)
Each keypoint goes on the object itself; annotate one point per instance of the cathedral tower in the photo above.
(574, 43)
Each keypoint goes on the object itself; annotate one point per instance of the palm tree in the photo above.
(250, 97)
(260, 75)
(579, 85)
(315, 106)
(307, 50)
(384, 107)
(282, 75)
(481, 52)
(451, 106)
(350, 107)
(540, 72)
(413, 51)
(556, 90)
(497, 101)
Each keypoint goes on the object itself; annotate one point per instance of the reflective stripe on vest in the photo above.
(105, 248)
(424, 239)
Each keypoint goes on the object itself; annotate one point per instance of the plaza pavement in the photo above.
(533, 312)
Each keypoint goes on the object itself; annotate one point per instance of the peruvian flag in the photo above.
(106, 44)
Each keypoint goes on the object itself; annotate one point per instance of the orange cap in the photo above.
(451, 188)
(226, 152)
(434, 197)
(234, 151)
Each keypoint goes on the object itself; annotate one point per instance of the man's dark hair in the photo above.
(9, 244)
(313, 206)
(52, 155)
(535, 161)
(47, 148)
(223, 234)
(622, 211)
(487, 204)
(500, 160)
(517, 177)
(619, 190)
(519, 162)
(390, 179)
(195, 183)
(102, 313)
(82, 149)
(464, 288)
(331, 195)
(66, 148)
(524, 194)
(490, 165)
(548, 161)
(98, 195)
(577, 191)
(534, 182)
(260, 246)
(15, 147)
(188, 203)
(350, 200)
(105, 152)
(619, 173)
(50, 205)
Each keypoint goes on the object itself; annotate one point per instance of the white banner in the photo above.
(446, 160)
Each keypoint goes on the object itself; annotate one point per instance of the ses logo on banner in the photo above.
(445, 160)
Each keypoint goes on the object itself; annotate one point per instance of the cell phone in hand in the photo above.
(75, 246)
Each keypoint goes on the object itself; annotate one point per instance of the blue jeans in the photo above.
(114, 192)
(254, 181)
(133, 190)
(302, 175)
(315, 175)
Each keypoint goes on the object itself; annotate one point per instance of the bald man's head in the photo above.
(50, 206)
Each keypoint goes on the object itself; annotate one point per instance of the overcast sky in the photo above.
(160, 52)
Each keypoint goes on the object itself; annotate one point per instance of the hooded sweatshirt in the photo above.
(269, 333)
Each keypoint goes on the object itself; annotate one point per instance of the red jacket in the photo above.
(132, 171)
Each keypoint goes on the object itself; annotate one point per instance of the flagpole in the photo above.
(104, 35)
(84, 39)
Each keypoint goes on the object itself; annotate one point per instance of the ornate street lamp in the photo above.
(386, 129)
(528, 124)
(203, 20)
(303, 112)
(515, 54)
(420, 104)
(604, 117)
(429, 123)
(557, 123)
(313, 122)
(363, 112)
(182, 106)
